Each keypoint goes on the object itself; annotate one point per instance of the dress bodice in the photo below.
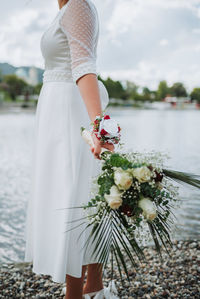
(69, 45)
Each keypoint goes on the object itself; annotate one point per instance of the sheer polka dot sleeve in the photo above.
(80, 24)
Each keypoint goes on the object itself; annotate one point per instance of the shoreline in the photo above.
(177, 277)
(17, 107)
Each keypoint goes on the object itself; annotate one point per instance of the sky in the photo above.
(143, 41)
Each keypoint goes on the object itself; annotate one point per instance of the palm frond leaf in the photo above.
(164, 241)
(183, 177)
(154, 236)
(121, 257)
(111, 241)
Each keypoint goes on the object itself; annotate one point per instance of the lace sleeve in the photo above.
(79, 24)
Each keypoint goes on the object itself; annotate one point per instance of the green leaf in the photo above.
(116, 160)
(105, 183)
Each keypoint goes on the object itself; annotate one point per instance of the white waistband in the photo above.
(57, 75)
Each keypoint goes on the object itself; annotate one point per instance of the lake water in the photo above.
(174, 132)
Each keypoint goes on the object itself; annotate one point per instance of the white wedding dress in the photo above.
(62, 163)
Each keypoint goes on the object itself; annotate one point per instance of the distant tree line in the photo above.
(131, 91)
(14, 86)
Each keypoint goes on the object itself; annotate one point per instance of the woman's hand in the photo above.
(96, 150)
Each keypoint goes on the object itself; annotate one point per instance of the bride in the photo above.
(62, 164)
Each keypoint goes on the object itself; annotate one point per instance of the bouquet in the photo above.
(133, 198)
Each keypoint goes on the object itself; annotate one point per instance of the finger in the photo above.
(97, 152)
(106, 146)
(97, 149)
(96, 156)
(109, 146)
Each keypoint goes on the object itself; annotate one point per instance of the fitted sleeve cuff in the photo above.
(83, 69)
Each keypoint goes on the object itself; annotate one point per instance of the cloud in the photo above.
(22, 26)
(140, 40)
(164, 42)
(196, 30)
(135, 33)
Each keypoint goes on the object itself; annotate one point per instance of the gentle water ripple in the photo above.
(176, 132)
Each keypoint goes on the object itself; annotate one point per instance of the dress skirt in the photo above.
(61, 172)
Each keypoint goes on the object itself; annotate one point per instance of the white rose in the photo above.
(143, 174)
(148, 207)
(123, 179)
(114, 198)
(110, 126)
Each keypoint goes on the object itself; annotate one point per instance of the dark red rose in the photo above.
(103, 132)
(96, 121)
(119, 129)
(126, 209)
(106, 117)
(159, 177)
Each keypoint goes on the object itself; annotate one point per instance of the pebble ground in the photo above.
(177, 277)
